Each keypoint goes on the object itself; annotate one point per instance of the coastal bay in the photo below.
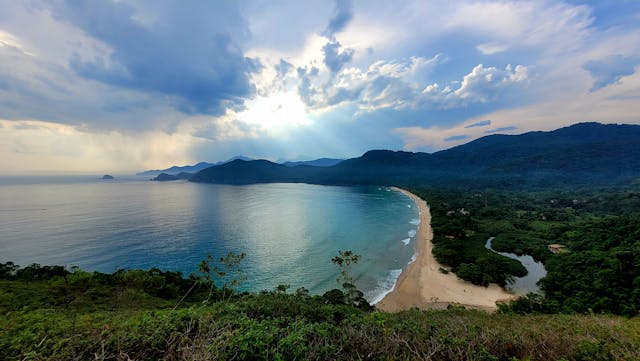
(289, 232)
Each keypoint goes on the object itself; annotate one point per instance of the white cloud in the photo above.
(482, 84)
(9, 40)
(547, 25)
(619, 104)
(398, 85)
(491, 48)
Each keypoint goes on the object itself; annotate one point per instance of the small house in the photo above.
(557, 248)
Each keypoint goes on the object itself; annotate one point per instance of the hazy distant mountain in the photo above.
(188, 168)
(256, 171)
(164, 177)
(321, 162)
(580, 154)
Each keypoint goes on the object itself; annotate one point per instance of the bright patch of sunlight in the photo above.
(275, 113)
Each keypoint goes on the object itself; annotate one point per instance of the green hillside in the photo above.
(141, 315)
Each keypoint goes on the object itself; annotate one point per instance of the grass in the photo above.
(278, 326)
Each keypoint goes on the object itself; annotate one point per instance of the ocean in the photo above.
(289, 232)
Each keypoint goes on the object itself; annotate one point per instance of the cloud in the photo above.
(283, 68)
(308, 93)
(360, 75)
(610, 69)
(491, 48)
(190, 52)
(400, 84)
(500, 130)
(225, 130)
(610, 105)
(482, 123)
(28, 146)
(8, 40)
(334, 58)
(551, 26)
(343, 13)
(456, 137)
(482, 84)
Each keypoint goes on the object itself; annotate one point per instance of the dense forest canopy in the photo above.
(600, 270)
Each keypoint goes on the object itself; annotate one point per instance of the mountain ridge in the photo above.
(581, 153)
(174, 170)
(320, 162)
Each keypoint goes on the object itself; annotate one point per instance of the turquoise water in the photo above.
(289, 232)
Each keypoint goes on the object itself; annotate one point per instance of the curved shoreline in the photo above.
(422, 285)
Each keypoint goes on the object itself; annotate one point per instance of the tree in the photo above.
(226, 269)
(352, 296)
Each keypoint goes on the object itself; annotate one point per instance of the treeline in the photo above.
(600, 270)
(52, 286)
(51, 313)
(600, 273)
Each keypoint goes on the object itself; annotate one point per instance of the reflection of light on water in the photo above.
(289, 232)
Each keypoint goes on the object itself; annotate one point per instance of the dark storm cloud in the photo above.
(189, 52)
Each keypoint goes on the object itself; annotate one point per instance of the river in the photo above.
(535, 271)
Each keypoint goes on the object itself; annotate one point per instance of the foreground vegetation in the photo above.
(49, 313)
(600, 270)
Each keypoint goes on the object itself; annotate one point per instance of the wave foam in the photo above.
(415, 221)
(406, 241)
(386, 285)
(411, 233)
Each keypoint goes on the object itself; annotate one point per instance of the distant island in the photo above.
(164, 177)
(107, 177)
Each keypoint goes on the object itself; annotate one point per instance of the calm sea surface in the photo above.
(289, 232)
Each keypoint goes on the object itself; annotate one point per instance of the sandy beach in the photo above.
(422, 285)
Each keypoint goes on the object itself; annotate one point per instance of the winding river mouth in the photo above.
(535, 271)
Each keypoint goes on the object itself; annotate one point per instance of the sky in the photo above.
(118, 86)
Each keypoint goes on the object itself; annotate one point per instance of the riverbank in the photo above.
(421, 284)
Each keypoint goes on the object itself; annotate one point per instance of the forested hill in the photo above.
(585, 153)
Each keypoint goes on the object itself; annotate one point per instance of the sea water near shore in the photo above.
(289, 232)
